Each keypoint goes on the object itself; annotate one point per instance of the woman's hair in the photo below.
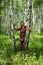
(22, 22)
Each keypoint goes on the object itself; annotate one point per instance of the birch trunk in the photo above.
(11, 25)
(28, 20)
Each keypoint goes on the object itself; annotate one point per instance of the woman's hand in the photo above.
(29, 29)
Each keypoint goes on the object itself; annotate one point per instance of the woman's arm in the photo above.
(16, 28)
(29, 29)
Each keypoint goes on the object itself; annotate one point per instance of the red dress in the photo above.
(22, 33)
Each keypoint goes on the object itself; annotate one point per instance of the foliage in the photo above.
(36, 41)
(35, 46)
(37, 3)
(5, 46)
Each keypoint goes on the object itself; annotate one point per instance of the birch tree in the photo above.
(11, 24)
(0, 14)
(37, 5)
(27, 20)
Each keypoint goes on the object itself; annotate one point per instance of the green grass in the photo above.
(33, 57)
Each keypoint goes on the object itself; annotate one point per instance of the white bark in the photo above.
(11, 24)
(28, 19)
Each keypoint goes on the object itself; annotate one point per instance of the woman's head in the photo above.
(22, 23)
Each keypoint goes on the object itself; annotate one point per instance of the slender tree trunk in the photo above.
(41, 20)
(0, 16)
(28, 20)
(11, 25)
(0, 24)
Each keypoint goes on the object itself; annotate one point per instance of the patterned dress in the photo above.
(22, 33)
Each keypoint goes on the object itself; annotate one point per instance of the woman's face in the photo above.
(22, 23)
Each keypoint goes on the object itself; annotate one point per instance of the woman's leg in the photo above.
(21, 45)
